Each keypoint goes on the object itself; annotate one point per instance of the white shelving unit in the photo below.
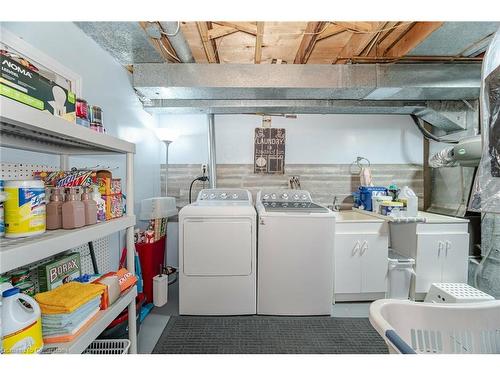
(26, 128)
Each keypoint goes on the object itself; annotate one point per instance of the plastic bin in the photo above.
(108, 347)
(400, 271)
(151, 256)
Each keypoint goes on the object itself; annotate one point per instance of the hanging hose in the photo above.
(201, 178)
(428, 135)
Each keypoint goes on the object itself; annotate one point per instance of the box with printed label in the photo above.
(59, 271)
(26, 86)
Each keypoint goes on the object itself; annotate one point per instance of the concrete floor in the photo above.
(154, 324)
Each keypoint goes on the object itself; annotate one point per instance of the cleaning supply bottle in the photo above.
(54, 210)
(90, 207)
(101, 204)
(73, 211)
(21, 325)
(408, 196)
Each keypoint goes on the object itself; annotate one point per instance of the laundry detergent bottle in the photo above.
(21, 325)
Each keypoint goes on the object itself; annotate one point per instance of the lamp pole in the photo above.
(167, 143)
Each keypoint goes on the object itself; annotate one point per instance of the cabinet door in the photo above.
(347, 264)
(430, 251)
(373, 254)
(456, 258)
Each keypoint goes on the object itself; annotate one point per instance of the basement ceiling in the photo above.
(323, 42)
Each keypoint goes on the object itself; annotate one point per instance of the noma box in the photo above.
(28, 87)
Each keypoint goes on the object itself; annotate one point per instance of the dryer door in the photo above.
(217, 247)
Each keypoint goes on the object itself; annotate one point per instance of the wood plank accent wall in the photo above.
(324, 181)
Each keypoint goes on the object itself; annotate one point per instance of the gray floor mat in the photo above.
(269, 335)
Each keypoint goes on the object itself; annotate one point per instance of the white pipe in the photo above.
(167, 143)
(132, 332)
(212, 162)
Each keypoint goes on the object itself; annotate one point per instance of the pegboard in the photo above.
(23, 171)
(19, 171)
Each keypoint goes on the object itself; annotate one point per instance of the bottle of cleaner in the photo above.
(54, 210)
(21, 326)
(73, 211)
(408, 196)
(90, 207)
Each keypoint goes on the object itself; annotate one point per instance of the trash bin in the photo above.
(400, 271)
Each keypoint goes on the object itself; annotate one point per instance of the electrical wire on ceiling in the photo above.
(168, 52)
(428, 135)
(176, 30)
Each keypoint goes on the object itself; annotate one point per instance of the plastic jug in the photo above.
(411, 199)
(21, 325)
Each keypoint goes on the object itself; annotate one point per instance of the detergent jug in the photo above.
(21, 325)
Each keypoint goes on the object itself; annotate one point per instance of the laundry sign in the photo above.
(269, 150)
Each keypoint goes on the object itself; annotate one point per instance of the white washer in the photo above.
(295, 254)
(217, 254)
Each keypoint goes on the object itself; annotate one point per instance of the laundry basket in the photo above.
(425, 328)
(108, 347)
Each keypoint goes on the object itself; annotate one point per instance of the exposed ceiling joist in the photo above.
(330, 30)
(311, 33)
(356, 44)
(355, 26)
(161, 44)
(258, 42)
(221, 31)
(246, 27)
(412, 38)
(207, 45)
(392, 36)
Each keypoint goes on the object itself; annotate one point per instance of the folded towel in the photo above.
(71, 328)
(51, 339)
(68, 297)
(62, 320)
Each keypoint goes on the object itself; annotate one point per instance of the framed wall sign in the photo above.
(269, 150)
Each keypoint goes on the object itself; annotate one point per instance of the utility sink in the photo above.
(352, 216)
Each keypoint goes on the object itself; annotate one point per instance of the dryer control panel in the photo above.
(234, 195)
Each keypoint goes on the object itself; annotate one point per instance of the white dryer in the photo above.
(295, 254)
(217, 254)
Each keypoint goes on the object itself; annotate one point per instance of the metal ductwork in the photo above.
(438, 93)
(174, 34)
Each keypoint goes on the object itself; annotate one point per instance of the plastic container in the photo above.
(54, 210)
(410, 199)
(24, 208)
(108, 347)
(21, 326)
(151, 256)
(365, 194)
(391, 208)
(3, 196)
(437, 328)
(400, 272)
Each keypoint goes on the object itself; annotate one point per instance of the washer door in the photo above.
(217, 247)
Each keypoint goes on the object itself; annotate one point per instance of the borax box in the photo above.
(28, 87)
(59, 271)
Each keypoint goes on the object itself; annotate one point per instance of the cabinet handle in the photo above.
(440, 247)
(364, 247)
(356, 248)
(448, 245)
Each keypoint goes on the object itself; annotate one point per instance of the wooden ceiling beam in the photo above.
(258, 42)
(313, 29)
(246, 27)
(207, 45)
(412, 38)
(221, 31)
(356, 26)
(356, 44)
(330, 30)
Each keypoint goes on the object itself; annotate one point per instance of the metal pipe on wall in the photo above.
(212, 163)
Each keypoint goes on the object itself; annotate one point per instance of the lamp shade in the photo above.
(157, 208)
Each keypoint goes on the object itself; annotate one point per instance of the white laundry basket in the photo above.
(417, 327)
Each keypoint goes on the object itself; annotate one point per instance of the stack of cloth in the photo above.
(68, 309)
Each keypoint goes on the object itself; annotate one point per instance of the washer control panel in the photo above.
(224, 195)
(293, 196)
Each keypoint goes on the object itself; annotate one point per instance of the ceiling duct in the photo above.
(172, 30)
(434, 92)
